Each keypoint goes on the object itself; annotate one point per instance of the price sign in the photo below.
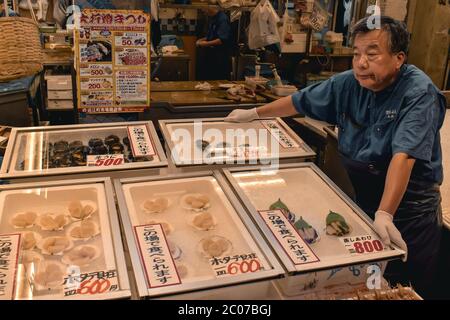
(106, 160)
(280, 134)
(91, 283)
(362, 244)
(141, 143)
(235, 265)
(156, 258)
(9, 252)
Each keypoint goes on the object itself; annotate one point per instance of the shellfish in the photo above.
(83, 230)
(195, 202)
(80, 210)
(284, 209)
(336, 225)
(81, 256)
(52, 222)
(49, 275)
(214, 246)
(54, 245)
(306, 231)
(175, 250)
(29, 240)
(167, 227)
(203, 221)
(24, 220)
(155, 205)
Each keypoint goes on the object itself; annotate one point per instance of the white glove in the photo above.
(240, 115)
(388, 232)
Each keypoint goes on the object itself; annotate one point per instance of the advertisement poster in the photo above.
(113, 55)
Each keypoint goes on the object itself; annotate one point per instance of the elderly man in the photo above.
(389, 115)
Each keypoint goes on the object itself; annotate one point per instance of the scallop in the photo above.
(54, 245)
(167, 227)
(182, 270)
(49, 275)
(83, 230)
(155, 205)
(214, 246)
(31, 257)
(203, 221)
(81, 256)
(53, 222)
(24, 220)
(195, 202)
(80, 210)
(29, 240)
(174, 249)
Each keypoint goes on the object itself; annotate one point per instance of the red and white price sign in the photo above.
(362, 244)
(9, 253)
(87, 284)
(234, 265)
(141, 143)
(105, 160)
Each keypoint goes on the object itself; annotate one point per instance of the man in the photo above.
(215, 52)
(389, 115)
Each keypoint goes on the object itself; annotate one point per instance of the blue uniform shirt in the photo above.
(219, 28)
(404, 117)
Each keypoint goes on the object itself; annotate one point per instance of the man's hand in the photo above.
(240, 115)
(201, 43)
(388, 232)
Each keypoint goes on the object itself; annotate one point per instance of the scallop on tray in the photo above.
(198, 221)
(61, 229)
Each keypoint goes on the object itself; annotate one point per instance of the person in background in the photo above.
(215, 49)
(389, 115)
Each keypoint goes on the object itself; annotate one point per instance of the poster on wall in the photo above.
(113, 58)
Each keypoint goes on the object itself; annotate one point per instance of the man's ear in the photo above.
(401, 59)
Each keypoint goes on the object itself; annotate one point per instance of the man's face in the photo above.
(374, 66)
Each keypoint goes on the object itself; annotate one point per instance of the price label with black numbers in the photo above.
(105, 160)
(362, 244)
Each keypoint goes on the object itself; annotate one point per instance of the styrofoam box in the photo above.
(60, 95)
(59, 82)
(60, 104)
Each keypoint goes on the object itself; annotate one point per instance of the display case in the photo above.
(57, 150)
(61, 240)
(322, 238)
(188, 238)
(205, 142)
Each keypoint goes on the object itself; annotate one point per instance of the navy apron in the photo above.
(418, 218)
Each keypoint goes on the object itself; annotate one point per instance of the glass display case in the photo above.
(61, 240)
(186, 233)
(195, 142)
(56, 150)
(319, 234)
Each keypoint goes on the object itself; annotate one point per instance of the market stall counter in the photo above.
(61, 240)
(94, 149)
(188, 238)
(321, 237)
(191, 99)
(202, 144)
